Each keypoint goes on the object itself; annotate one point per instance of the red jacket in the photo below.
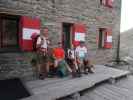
(58, 53)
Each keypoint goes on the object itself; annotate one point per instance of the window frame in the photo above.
(101, 38)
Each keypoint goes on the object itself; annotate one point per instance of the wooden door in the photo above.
(67, 36)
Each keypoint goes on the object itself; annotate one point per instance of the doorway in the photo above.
(101, 37)
(9, 27)
(67, 36)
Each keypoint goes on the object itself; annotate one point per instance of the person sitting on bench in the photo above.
(71, 60)
(62, 67)
(83, 58)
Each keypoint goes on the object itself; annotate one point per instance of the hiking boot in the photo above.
(41, 76)
(78, 73)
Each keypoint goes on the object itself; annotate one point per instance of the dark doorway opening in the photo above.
(67, 36)
(9, 29)
(101, 38)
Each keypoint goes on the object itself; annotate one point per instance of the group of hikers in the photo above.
(57, 62)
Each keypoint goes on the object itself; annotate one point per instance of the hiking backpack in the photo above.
(34, 41)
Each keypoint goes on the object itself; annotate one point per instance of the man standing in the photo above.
(42, 49)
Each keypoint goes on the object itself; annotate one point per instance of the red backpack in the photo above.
(34, 41)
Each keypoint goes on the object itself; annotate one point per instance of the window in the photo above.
(101, 38)
(105, 38)
(107, 3)
(67, 35)
(8, 32)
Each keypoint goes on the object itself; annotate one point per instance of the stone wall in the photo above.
(54, 12)
(17, 65)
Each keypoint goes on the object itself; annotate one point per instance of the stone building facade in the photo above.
(53, 13)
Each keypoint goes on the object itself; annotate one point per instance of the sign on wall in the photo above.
(79, 36)
(27, 33)
(109, 38)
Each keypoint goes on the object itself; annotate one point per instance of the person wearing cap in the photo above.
(82, 57)
(81, 50)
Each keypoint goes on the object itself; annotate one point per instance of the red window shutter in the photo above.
(108, 39)
(110, 3)
(28, 27)
(79, 31)
(103, 2)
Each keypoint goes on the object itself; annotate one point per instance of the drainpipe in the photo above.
(118, 50)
